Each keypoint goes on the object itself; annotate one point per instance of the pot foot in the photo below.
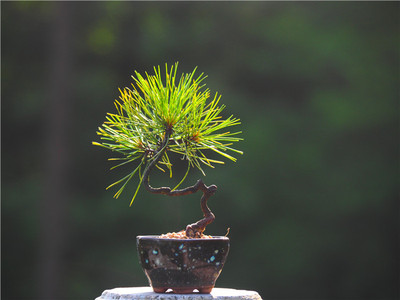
(205, 290)
(159, 290)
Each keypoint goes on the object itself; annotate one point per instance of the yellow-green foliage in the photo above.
(155, 105)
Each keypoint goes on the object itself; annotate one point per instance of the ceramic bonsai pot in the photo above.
(183, 265)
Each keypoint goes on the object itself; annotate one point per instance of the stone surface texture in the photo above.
(146, 293)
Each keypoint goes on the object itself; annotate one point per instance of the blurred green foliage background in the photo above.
(312, 204)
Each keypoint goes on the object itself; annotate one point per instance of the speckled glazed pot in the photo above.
(182, 265)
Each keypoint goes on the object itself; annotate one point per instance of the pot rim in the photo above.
(157, 237)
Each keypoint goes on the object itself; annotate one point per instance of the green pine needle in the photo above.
(160, 102)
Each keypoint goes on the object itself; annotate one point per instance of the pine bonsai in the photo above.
(157, 118)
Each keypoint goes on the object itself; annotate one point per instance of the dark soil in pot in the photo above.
(182, 265)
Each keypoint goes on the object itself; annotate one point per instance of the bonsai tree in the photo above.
(158, 117)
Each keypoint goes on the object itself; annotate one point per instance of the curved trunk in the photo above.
(194, 230)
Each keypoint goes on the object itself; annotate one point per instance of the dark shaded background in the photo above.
(312, 204)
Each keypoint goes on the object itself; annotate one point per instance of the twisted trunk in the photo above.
(194, 230)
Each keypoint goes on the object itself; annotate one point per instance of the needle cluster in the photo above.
(158, 105)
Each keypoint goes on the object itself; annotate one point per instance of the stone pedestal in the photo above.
(146, 293)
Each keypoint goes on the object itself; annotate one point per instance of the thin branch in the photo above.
(195, 229)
